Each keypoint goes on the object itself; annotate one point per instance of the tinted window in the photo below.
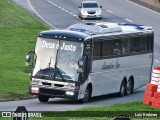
(135, 44)
(126, 46)
(143, 44)
(97, 48)
(150, 43)
(117, 47)
(107, 49)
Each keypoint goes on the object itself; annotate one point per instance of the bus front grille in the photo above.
(52, 92)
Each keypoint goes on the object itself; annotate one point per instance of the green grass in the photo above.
(91, 113)
(130, 106)
(18, 31)
(101, 112)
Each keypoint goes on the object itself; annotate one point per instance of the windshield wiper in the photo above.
(49, 64)
(56, 65)
(59, 73)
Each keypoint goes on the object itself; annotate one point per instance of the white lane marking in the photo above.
(61, 8)
(128, 20)
(143, 7)
(109, 11)
(66, 11)
(43, 19)
(70, 13)
(124, 19)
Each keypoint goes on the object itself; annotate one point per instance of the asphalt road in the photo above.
(61, 14)
(59, 104)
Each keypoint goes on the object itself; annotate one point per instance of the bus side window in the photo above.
(117, 47)
(143, 44)
(126, 46)
(107, 49)
(97, 49)
(135, 45)
(150, 43)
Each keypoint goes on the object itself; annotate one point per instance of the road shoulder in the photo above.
(155, 6)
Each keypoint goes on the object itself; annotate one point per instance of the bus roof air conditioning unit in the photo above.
(109, 27)
(100, 27)
(85, 27)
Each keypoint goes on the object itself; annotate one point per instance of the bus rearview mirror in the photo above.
(28, 58)
(80, 70)
(81, 62)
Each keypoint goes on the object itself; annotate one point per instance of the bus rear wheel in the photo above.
(42, 98)
(122, 89)
(129, 87)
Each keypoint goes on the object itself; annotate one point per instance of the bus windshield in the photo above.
(57, 59)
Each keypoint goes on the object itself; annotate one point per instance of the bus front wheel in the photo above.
(87, 95)
(42, 98)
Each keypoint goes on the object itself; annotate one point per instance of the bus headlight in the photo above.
(35, 82)
(70, 86)
(69, 93)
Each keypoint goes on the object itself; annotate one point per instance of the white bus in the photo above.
(91, 59)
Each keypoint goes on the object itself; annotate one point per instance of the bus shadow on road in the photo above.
(108, 99)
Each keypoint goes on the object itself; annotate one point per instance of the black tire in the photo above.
(122, 90)
(100, 18)
(79, 15)
(87, 95)
(129, 87)
(42, 98)
(82, 18)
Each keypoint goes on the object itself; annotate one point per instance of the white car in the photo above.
(90, 9)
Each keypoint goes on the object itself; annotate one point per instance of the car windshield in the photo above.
(57, 59)
(90, 5)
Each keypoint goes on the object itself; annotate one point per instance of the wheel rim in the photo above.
(129, 87)
(87, 95)
(122, 89)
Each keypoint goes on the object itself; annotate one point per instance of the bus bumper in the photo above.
(50, 92)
